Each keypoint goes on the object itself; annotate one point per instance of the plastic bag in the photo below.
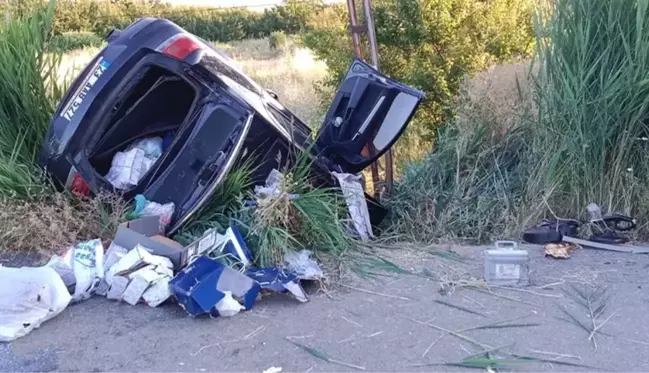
(152, 147)
(301, 264)
(29, 297)
(144, 207)
(88, 267)
(228, 306)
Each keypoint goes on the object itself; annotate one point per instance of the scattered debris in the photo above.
(28, 298)
(506, 265)
(559, 250)
(277, 280)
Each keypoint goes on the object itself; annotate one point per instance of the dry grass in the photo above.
(290, 72)
(54, 223)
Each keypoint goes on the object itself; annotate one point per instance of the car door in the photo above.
(368, 114)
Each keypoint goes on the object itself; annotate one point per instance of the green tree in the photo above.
(430, 44)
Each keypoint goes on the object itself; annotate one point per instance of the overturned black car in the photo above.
(194, 114)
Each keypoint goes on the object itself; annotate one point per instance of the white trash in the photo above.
(88, 267)
(356, 203)
(228, 306)
(28, 297)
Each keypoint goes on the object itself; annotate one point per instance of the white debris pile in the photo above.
(136, 275)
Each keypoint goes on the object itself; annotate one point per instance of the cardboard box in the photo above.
(146, 232)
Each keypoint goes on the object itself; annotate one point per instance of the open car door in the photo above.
(368, 114)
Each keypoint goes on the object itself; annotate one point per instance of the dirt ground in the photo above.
(377, 332)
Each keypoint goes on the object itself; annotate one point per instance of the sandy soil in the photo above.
(373, 331)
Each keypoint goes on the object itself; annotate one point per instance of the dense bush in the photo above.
(430, 44)
(586, 143)
(277, 40)
(217, 24)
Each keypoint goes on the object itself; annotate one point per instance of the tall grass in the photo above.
(587, 142)
(593, 97)
(28, 93)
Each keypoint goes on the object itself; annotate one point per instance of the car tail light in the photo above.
(180, 47)
(79, 186)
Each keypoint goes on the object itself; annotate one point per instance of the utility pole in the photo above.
(356, 30)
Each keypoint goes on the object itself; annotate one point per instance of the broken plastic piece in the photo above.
(201, 285)
(356, 203)
(276, 280)
(235, 245)
(28, 298)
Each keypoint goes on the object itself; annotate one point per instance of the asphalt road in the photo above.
(377, 332)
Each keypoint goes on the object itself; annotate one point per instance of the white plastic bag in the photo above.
(88, 267)
(152, 147)
(29, 297)
(301, 264)
(165, 212)
(228, 306)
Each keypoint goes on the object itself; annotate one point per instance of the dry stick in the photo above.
(492, 324)
(592, 333)
(528, 291)
(507, 297)
(351, 321)
(473, 300)
(374, 292)
(250, 335)
(459, 308)
(558, 356)
(374, 334)
(458, 335)
(551, 285)
(433, 344)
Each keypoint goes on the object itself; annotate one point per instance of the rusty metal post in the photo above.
(356, 29)
(353, 21)
(374, 50)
